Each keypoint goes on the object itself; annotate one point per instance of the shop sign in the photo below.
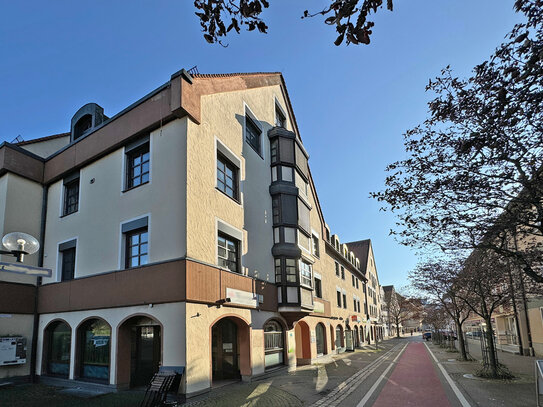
(241, 297)
(318, 307)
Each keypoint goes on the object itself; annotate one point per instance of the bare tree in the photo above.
(474, 173)
(484, 279)
(400, 309)
(438, 278)
(349, 17)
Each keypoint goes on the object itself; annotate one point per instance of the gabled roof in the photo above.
(39, 140)
(361, 249)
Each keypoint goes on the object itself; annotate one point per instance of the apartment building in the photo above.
(184, 231)
(364, 251)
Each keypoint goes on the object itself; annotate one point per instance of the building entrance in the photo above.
(224, 350)
(145, 354)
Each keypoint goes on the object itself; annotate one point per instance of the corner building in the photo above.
(184, 231)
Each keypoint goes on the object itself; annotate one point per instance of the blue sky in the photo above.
(352, 103)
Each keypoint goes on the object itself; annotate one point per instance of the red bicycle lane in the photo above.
(413, 382)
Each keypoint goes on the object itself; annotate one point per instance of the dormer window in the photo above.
(82, 125)
(85, 119)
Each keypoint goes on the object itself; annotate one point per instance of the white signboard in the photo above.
(241, 297)
(24, 269)
(12, 350)
(318, 307)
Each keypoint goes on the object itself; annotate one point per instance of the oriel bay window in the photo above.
(306, 274)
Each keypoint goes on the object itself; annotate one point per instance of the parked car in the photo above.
(474, 334)
(427, 336)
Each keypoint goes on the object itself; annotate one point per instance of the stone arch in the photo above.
(93, 349)
(320, 338)
(57, 344)
(303, 343)
(236, 330)
(139, 350)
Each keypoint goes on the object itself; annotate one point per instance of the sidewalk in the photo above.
(492, 393)
(305, 386)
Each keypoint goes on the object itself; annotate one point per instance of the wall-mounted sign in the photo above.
(318, 307)
(241, 297)
(12, 350)
(24, 269)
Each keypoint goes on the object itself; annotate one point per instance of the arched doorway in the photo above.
(303, 343)
(139, 350)
(274, 344)
(339, 337)
(320, 334)
(356, 337)
(94, 345)
(56, 348)
(230, 349)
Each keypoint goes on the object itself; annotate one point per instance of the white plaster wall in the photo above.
(17, 325)
(46, 148)
(103, 207)
(20, 211)
(171, 316)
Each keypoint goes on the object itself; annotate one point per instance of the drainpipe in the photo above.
(35, 327)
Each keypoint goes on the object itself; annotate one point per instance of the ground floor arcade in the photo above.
(125, 346)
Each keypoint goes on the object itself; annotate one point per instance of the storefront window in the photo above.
(95, 350)
(59, 336)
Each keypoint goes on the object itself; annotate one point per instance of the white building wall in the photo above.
(103, 207)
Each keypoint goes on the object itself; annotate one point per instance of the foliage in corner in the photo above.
(350, 17)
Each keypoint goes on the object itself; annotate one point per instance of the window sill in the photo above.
(225, 194)
(134, 187)
(68, 214)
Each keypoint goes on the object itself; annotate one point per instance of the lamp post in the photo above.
(18, 244)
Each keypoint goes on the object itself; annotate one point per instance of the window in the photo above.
(315, 244)
(354, 304)
(274, 150)
(344, 300)
(342, 272)
(138, 160)
(306, 274)
(137, 248)
(67, 260)
(280, 120)
(252, 133)
(228, 252)
(274, 344)
(277, 270)
(338, 298)
(227, 177)
(357, 283)
(352, 278)
(358, 303)
(290, 269)
(71, 195)
(337, 269)
(276, 210)
(318, 288)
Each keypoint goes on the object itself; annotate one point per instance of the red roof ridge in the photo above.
(225, 75)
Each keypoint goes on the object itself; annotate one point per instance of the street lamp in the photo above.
(18, 244)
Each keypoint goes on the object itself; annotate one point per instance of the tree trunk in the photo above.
(491, 348)
(461, 343)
